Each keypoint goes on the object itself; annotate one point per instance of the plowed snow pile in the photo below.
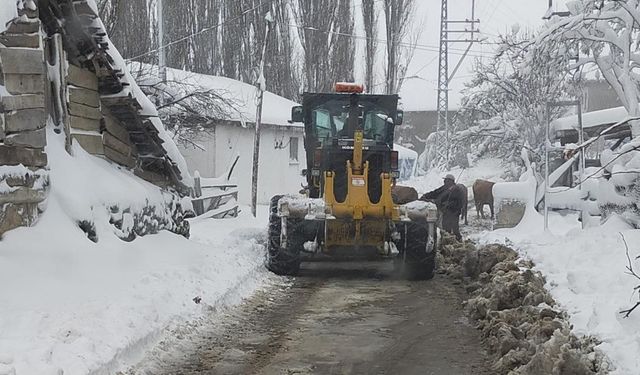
(522, 325)
(585, 270)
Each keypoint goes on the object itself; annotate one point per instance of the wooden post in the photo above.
(256, 141)
(198, 205)
(59, 96)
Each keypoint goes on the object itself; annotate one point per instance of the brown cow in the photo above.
(403, 194)
(483, 194)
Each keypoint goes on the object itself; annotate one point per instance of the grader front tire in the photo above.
(283, 261)
(417, 247)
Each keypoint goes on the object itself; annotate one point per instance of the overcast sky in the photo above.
(496, 17)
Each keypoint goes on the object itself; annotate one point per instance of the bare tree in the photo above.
(206, 47)
(314, 19)
(370, 22)
(631, 271)
(343, 49)
(281, 68)
(128, 24)
(325, 29)
(190, 111)
(398, 23)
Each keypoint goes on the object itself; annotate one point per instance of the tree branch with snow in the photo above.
(631, 271)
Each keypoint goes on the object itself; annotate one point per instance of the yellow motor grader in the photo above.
(348, 210)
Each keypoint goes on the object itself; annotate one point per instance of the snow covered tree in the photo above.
(608, 35)
(504, 105)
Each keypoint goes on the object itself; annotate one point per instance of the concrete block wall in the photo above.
(23, 161)
(509, 213)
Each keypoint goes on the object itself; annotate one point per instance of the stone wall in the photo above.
(23, 178)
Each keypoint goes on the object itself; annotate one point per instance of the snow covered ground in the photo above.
(584, 269)
(68, 305)
(585, 273)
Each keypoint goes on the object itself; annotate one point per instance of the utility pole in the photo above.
(162, 68)
(256, 140)
(442, 127)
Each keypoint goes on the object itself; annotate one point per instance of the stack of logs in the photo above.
(91, 125)
(23, 179)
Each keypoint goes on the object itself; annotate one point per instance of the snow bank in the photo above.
(72, 306)
(585, 273)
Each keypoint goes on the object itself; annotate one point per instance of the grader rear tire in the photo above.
(283, 261)
(417, 247)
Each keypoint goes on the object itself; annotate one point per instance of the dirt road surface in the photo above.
(335, 318)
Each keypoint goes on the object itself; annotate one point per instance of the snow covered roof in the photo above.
(240, 98)
(276, 110)
(591, 121)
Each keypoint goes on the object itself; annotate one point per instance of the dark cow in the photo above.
(403, 194)
(483, 194)
(464, 197)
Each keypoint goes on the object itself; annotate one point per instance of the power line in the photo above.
(419, 47)
(200, 32)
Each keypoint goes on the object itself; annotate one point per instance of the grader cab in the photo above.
(348, 210)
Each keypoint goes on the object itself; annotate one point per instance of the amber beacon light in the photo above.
(349, 87)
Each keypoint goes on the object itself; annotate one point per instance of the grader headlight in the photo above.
(431, 211)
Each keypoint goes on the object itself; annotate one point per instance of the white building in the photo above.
(282, 156)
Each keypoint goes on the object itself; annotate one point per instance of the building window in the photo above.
(293, 149)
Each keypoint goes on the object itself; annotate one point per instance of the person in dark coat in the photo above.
(449, 201)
